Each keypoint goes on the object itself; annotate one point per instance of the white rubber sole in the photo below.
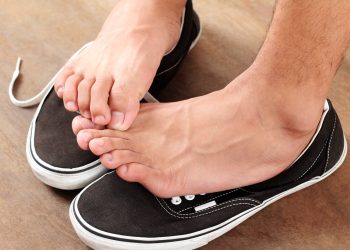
(98, 242)
(67, 181)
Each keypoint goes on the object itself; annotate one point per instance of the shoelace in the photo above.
(35, 100)
(31, 101)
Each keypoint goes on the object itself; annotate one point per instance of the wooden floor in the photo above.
(45, 33)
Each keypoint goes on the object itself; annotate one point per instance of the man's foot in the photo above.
(244, 134)
(109, 78)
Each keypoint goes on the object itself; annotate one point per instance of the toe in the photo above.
(83, 139)
(103, 145)
(135, 172)
(86, 135)
(124, 104)
(84, 90)
(80, 123)
(118, 158)
(61, 80)
(71, 91)
(155, 180)
(99, 108)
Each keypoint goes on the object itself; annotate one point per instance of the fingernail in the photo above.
(117, 120)
(108, 157)
(60, 91)
(71, 106)
(100, 119)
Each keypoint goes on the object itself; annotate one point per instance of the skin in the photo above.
(245, 133)
(109, 78)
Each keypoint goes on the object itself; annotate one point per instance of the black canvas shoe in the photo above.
(52, 150)
(113, 214)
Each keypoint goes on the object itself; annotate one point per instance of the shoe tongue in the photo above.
(308, 161)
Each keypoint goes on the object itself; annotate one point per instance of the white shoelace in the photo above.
(35, 100)
(31, 101)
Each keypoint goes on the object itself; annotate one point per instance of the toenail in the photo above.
(108, 157)
(71, 105)
(100, 119)
(117, 120)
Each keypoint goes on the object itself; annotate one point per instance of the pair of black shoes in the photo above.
(110, 213)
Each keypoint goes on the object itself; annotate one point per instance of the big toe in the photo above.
(155, 180)
(124, 105)
(99, 108)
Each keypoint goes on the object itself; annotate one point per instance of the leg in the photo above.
(251, 130)
(110, 77)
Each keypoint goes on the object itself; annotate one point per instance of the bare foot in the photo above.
(241, 135)
(109, 78)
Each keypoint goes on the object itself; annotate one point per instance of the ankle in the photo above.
(300, 118)
(296, 108)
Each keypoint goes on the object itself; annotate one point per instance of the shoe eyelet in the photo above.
(189, 197)
(176, 200)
